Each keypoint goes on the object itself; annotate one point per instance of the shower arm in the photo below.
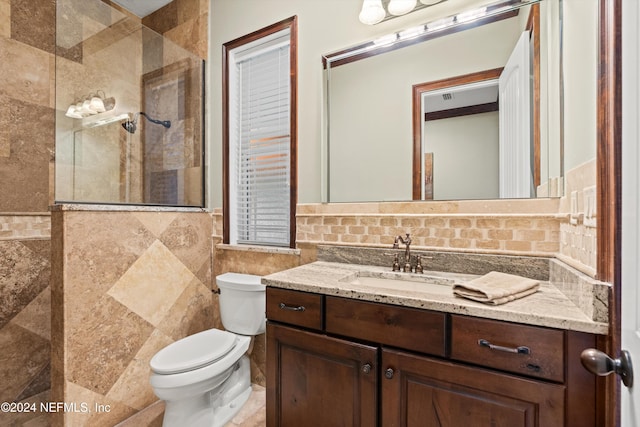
(165, 123)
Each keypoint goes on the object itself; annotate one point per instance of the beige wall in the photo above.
(465, 156)
(580, 28)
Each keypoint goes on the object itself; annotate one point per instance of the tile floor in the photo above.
(253, 413)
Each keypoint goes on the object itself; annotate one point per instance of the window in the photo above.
(260, 137)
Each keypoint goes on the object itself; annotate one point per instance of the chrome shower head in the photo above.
(130, 126)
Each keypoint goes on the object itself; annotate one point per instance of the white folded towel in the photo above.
(496, 288)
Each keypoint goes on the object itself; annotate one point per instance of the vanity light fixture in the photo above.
(373, 11)
(92, 104)
(422, 32)
(401, 7)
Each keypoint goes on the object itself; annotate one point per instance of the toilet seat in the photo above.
(193, 352)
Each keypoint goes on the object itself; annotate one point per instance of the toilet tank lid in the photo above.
(239, 281)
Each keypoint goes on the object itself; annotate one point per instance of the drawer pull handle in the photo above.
(388, 374)
(366, 368)
(284, 306)
(518, 350)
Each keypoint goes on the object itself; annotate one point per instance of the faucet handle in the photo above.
(407, 266)
(419, 268)
(396, 262)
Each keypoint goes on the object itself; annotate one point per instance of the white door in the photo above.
(514, 88)
(630, 397)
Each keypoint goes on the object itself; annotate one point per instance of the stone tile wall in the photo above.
(453, 226)
(124, 285)
(25, 326)
(25, 226)
(26, 104)
(185, 22)
(26, 164)
(578, 238)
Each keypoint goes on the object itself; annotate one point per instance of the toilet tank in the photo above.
(242, 303)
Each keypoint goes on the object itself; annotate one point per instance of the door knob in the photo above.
(601, 364)
(388, 373)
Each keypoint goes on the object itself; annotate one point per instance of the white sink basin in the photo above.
(400, 281)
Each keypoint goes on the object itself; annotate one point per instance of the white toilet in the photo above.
(204, 378)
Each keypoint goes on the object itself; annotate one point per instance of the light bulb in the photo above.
(372, 12)
(400, 7)
(97, 105)
(85, 108)
(72, 112)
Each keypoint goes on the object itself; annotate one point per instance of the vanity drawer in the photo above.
(522, 349)
(294, 307)
(408, 328)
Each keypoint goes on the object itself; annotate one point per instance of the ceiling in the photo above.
(484, 92)
(142, 8)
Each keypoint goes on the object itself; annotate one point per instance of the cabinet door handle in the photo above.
(388, 373)
(518, 350)
(366, 368)
(284, 306)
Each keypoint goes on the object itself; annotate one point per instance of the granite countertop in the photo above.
(548, 307)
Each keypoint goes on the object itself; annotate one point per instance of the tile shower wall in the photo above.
(25, 325)
(27, 37)
(185, 22)
(124, 285)
(26, 163)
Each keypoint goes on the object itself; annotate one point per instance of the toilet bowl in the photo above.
(204, 378)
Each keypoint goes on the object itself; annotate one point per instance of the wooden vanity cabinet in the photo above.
(317, 380)
(422, 391)
(369, 364)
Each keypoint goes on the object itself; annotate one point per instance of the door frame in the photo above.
(609, 198)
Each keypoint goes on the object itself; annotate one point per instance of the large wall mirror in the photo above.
(471, 106)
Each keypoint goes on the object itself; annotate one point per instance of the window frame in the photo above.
(291, 24)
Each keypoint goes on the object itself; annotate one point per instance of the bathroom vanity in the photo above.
(358, 345)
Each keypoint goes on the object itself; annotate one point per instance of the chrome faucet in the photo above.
(406, 241)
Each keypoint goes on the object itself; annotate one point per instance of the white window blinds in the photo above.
(260, 144)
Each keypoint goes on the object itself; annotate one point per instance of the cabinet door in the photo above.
(420, 391)
(315, 380)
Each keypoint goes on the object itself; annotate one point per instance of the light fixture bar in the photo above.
(400, 38)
